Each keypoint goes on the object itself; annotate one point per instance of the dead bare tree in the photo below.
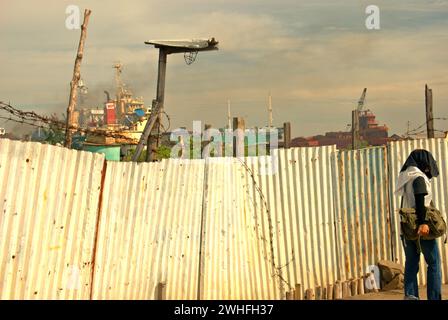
(75, 80)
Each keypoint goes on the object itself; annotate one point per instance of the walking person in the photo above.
(414, 186)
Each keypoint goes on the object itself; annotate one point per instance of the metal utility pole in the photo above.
(151, 133)
(270, 110)
(154, 138)
(238, 139)
(355, 129)
(206, 147)
(150, 123)
(287, 135)
(74, 83)
(429, 112)
(229, 117)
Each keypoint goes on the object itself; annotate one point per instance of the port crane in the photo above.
(362, 100)
(355, 120)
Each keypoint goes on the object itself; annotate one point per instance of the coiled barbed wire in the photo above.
(276, 269)
(32, 118)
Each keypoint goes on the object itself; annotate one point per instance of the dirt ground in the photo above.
(397, 295)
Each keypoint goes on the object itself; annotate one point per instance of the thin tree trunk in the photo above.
(74, 83)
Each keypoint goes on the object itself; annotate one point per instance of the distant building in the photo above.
(370, 132)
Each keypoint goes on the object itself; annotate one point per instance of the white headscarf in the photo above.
(404, 186)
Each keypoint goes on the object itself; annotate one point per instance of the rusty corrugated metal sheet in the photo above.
(149, 230)
(48, 208)
(363, 210)
(398, 153)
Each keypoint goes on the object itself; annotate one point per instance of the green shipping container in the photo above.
(112, 152)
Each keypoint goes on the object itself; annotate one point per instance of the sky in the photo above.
(314, 57)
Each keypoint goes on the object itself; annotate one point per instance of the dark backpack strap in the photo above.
(401, 230)
(419, 246)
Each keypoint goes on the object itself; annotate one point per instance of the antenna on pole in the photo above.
(119, 85)
(429, 112)
(229, 117)
(270, 110)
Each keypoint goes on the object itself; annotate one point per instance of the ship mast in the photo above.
(270, 110)
(118, 83)
(229, 117)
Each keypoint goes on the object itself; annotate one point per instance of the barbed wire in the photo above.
(277, 270)
(24, 122)
(31, 118)
(416, 131)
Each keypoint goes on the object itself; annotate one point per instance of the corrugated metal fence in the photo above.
(221, 228)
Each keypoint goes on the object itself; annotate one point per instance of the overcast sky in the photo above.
(315, 57)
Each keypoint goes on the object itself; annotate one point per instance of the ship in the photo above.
(116, 126)
(371, 134)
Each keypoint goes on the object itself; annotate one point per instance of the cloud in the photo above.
(315, 57)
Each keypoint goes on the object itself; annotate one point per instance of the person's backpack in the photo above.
(434, 219)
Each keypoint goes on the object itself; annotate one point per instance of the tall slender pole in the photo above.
(154, 137)
(238, 139)
(429, 112)
(74, 83)
(270, 110)
(355, 129)
(119, 106)
(287, 135)
(150, 123)
(229, 117)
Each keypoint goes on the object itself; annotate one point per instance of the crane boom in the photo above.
(362, 99)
